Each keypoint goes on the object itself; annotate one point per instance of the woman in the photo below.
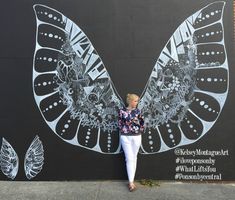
(131, 125)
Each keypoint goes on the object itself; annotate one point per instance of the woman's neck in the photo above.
(130, 108)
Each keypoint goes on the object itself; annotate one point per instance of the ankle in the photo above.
(131, 183)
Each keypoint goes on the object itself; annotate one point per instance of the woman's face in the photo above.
(133, 102)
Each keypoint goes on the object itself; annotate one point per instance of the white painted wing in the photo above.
(188, 86)
(72, 87)
(34, 158)
(9, 160)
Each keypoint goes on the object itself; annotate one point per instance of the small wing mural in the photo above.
(9, 161)
(34, 158)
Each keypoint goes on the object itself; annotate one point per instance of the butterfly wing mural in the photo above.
(182, 99)
(9, 161)
(188, 86)
(34, 158)
(72, 87)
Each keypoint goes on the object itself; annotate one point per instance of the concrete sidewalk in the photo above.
(114, 190)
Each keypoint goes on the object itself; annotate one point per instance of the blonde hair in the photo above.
(130, 97)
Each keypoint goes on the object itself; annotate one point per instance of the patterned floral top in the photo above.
(130, 122)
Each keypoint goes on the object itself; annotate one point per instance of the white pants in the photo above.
(130, 146)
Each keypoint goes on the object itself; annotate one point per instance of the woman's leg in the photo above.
(130, 146)
(135, 144)
(126, 146)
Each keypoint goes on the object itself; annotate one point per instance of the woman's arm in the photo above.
(141, 121)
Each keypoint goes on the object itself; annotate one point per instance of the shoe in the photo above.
(131, 187)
